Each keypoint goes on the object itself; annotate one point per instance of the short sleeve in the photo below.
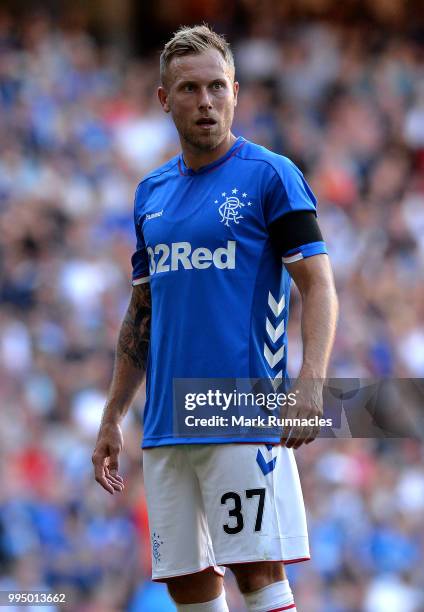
(286, 191)
(139, 260)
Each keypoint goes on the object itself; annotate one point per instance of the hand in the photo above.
(105, 458)
(308, 405)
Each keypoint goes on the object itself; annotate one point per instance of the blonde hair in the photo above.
(191, 41)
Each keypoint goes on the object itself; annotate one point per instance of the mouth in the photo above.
(206, 122)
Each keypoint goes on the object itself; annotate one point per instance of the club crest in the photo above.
(231, 205)
(156, 543)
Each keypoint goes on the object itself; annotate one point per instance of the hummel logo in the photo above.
(154, 215)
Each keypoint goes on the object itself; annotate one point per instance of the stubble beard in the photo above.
(205, 143)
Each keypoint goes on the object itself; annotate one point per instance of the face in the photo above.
(200, 93)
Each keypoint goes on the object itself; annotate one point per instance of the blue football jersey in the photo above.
(220, 293)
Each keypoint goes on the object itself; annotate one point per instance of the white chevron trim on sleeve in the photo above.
(276, 307)
(273, 358)
(274, 332)
(276, 382)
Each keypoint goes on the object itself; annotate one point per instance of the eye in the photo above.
(188, 87)
(218, 85)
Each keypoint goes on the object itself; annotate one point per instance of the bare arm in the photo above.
(314, 279)
(131, 355)
(129, 371)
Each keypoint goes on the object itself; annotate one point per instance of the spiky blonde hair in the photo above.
(191, 41)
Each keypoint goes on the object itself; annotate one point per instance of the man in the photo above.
(220, 230)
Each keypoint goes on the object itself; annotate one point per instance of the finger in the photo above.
(113, 462)
(113, 474)
(285, 430)
(99, 473)
(295, 434)
(305, 434)
(288, 440)
(103, 481)
(116, 481)
(116, 486)
(285, 435)
(119, 486)
(312, 437)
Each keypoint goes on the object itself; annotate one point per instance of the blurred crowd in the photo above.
(79, 126)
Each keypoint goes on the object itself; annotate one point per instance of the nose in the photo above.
(204, 100)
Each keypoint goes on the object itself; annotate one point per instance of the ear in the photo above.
(163, 99)
(236, 88)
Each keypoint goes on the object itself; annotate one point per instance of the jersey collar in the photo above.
(190, 172)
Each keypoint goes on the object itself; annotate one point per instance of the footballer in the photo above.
(221, 229)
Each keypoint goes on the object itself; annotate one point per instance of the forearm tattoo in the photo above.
(134, 337)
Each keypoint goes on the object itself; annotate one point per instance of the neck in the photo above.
(195, 158)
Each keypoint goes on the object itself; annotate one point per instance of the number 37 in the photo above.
(237, 513)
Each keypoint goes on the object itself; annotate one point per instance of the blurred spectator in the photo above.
(80, 125)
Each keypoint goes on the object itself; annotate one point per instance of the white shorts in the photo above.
(218, 504)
